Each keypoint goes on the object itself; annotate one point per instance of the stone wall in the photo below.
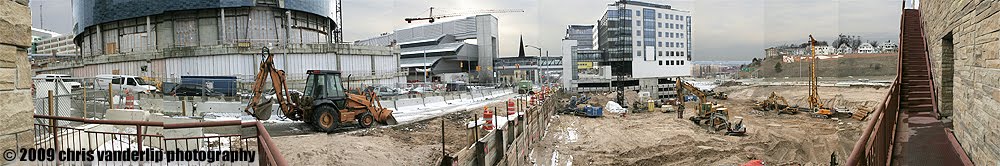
(15, 74)
(974, 28)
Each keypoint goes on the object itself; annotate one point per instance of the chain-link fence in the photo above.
(91, 97)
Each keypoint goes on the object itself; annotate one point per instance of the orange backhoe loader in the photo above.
(325, 102)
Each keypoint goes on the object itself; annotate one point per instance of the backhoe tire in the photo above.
(366, 120)
(326, 118)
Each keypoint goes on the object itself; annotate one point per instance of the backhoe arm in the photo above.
(260, 110)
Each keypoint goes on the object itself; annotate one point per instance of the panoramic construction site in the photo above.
(639, 138)
(274, 82)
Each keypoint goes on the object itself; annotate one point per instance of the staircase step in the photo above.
(917, 108)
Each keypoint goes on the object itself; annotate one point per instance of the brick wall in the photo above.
(974, 26)
(15, 73)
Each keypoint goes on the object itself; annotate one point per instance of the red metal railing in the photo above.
(122, 134)
(875, 145)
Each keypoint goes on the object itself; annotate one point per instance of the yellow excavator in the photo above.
(711, 115)
(325, 103)
(775, 103)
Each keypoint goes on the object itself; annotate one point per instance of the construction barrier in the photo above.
(509, 144)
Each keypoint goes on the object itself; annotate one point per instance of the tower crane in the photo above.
(431, 17)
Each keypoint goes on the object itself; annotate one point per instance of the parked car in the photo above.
(166, 88)
(132, 83)
(194, 90)
(456, 86)
(421, 90)
(69, 83)
(386, 91)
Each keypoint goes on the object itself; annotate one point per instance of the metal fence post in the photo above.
(184, 108)
(52, 123)
(84, 103)
(111, 102)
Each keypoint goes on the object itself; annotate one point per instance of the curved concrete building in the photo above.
(170, 39)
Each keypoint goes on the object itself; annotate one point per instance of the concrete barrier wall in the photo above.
(388, 104)
(174, 107)
(215, 106)
(434, 99)
(409, 102)
(466, 96)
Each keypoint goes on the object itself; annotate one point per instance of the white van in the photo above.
(67, 82)
(119, 82)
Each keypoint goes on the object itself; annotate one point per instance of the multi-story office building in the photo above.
(646, 44)
(652, 37)
(583, 34)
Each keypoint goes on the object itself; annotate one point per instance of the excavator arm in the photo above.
(682, 86)
(262, 110)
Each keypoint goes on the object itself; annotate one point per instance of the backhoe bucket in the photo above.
(262, 111)
(384, 116)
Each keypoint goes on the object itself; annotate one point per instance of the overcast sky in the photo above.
(722, 29)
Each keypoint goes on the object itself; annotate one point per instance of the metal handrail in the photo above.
(268, 150)
(875, 145)
(927, 53)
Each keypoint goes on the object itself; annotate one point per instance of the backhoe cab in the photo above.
(330, 105)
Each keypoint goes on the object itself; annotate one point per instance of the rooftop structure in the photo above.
(455, 46)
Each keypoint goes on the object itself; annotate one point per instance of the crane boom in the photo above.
(431, 17)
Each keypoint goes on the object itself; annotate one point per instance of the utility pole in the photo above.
(537, 63)
(425, 66)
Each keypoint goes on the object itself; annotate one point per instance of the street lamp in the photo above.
(539, 55)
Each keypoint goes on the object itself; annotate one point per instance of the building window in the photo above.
(659, 15)
(638, 23)
(661, 63)
(682, 62)
(682, 53)
(638, 43)
(638, 33)
(682, 18)
(638, 53)
(681, 26)
(659, 25)
(659, 44)
(659, 34)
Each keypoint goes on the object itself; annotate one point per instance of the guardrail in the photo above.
(141, 135)
(875, 146)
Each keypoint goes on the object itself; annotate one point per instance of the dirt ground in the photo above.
(663, 139)
(417, 143)
(638, 139)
